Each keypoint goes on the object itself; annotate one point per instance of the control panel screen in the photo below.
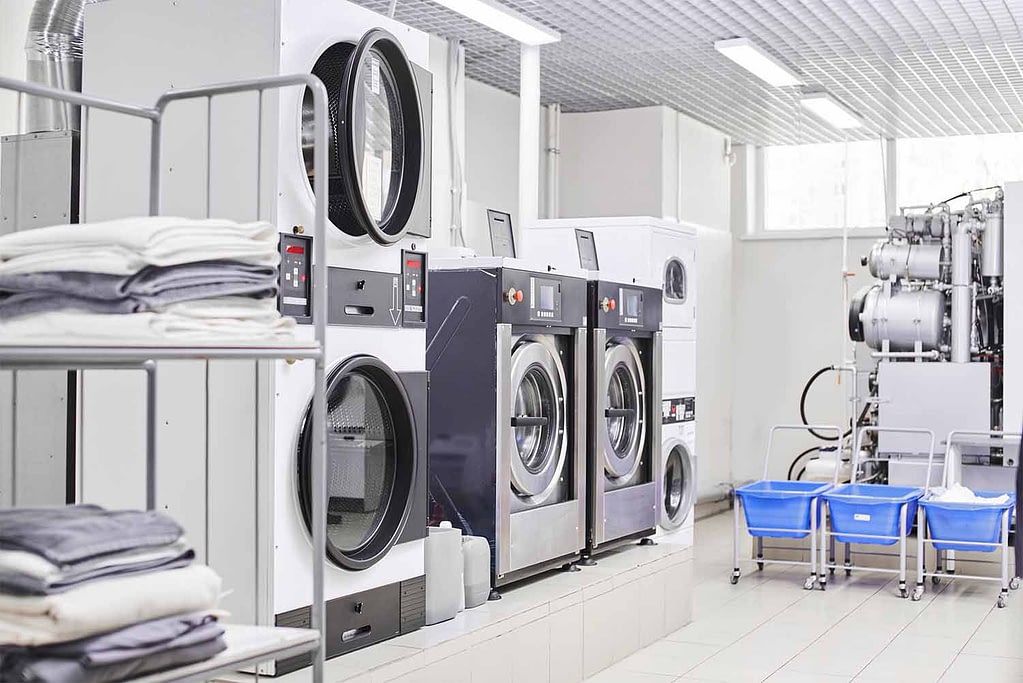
(295, 277)
(545, 300)
(413, 275)
(631, 306)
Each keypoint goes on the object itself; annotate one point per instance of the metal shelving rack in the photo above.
(247, 645)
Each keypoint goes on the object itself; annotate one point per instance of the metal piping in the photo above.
(53, 49)
(962, 293)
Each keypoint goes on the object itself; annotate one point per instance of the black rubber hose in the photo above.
(802, 404)
(802, 408)
(799, 457)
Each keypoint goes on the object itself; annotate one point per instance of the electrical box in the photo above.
(38, 180)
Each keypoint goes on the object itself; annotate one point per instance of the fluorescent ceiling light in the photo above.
(503, 20)
(758, 62)
(830, 110)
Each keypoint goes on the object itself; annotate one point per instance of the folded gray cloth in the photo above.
(70, 534)
(24, 573)
(126, 653)
(151, 288)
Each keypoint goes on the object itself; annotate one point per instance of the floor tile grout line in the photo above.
(960, 651)
(930, 602)
(830, 628)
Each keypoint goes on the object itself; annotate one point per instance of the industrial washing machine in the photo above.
(507, 362)
(678, 471)
(661, 251)
(379, 105)
(624, 422)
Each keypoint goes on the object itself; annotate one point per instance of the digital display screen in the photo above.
(546, 298)
(632, 301)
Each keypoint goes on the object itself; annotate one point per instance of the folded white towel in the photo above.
(106, 605)
(958, 493)
(125, 246)
(234, 321)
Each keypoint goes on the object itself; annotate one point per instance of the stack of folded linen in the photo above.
(88, 594)
(152, 280)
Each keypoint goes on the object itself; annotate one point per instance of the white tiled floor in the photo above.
(767, 628)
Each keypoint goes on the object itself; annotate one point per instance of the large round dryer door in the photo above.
(376, 136)
(679, 484)
(625, 409)
(371, 462)
(537, 441)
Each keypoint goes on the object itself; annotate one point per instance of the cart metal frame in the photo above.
(811, 581)
(923, 537)
(827, 536)
(257, 644)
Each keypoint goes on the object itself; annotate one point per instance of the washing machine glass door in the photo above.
(679, 484)
(376, 138)
(624, 410)
(371, 462)
(676, 282)
(538, 441)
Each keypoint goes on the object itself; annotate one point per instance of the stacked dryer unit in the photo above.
(380, 98)
(507, 361)
(664, 252)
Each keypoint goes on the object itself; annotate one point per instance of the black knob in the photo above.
(360, 285)
(358, 608)
(863, 261)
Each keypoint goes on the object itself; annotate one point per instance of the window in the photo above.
(931, 169)
(830, 185)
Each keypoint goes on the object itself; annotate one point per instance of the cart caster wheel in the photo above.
(848, 572)
(1014, 583)
(823, 583)
(903, 593)
(1002, 601)
(734, 579)
(809, 583)
(918, 593)
(760, 566)
(935, 580)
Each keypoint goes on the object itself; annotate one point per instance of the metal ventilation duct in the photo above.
(53, 47)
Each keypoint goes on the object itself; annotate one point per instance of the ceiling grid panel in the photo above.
(910, 68)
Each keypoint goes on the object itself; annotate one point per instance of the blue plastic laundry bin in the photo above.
(783, 506)
(967, 522)
(871, 510)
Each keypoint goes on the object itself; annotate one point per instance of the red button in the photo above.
(518, 295)
(302, 278)
(612, 304)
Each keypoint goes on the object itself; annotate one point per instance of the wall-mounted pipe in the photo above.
(553, 151)
(53, 48)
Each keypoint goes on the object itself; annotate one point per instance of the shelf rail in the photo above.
(127, 357)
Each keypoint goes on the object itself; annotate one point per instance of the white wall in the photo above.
(789, 322)
(612, 163)
(491, 158)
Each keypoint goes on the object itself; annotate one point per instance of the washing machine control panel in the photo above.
(621, 306)
(676, 410)
(295, 277)
(541, 298)
(413, 290)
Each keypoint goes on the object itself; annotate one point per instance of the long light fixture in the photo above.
(743, 52)
(503, 20)
(830, 110)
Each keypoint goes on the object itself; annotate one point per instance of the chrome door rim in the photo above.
(533, 357)
(674, 519)
(621, 356)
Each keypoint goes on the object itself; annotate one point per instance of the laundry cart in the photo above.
(780, 509)
(870, 514)
(966, 526)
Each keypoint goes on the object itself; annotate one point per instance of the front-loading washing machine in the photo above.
(507, 361)
(624, 422)
(678, 471)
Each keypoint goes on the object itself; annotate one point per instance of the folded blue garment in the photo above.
(149, 289)
(73, 533)
(126, 653)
